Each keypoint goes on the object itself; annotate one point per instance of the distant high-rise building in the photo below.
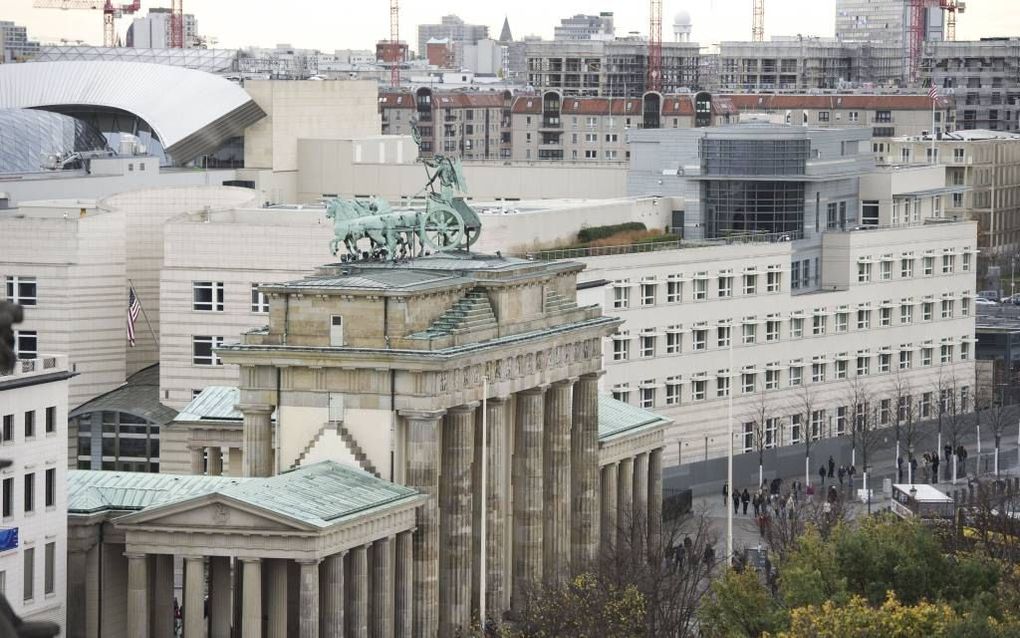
(982, 76)
(14, 43)
(453, 28)
(586, 27)
(885, 21)
(153, 30)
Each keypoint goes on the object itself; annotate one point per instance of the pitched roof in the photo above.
(214, 403)
(745, 102)
(505, 35)
(617, 418)
(138, 396)
(89, 492)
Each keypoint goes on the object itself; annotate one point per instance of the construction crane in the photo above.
(110, 12)
(952, 7)
(758, 25)
(916, 28)
(176, 24)
(654, 81)
(395, 43)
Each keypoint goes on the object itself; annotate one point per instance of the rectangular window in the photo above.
(648, 345)
(795, 276)
(748, 383)
(772, 330)
(925, 405)
(30, 424)
(8, 497)
(750, 284)
(51, 420)
(648, 395)
(948, 263)
(818, 373)
(673, 341)
(947, 308)
(51, 487)
(750, 333)
(863, 319)
(841, 368)
(946, 354)
(26, 344)
(771, 432)
(747, 437)
(772, 379)
(927, 309)
(817, 424)
(722, 384)
(700, 288)
(842, 321)
(863, 365)
(907, 267)
(774, 281)
(885, 412)
(841, 420)
(725, 286)
(796, 375)
(621, 347)
(964, 351)
(863, 272)
(698, 390)
(906, 359)
(202, 351)
(818, 325)
(796, 428)
(885, 316)
(929, 265)
(674, 291)
(259, 300)
(965, 399)
(621, 294)
(965, 262)
(926, 356)
(29, 574)
(30, 492)
(906, 313)
(884, 361)
(796, 327)
(207, 296)
(22, 290)
(723, 339)
(673, 388)
(621, 393)
(648, 294)
(8, 433)
(700, 337)
(885, 270)
(50, 563)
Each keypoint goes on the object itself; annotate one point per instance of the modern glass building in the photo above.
(33, 141)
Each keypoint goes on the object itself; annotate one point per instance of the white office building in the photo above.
(33, 498)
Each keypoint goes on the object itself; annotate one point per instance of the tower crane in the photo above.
(654, 80)
(952, 8)
(395, 42)
(110, 12)
(176, 24)
(758, 24)
(915, 29)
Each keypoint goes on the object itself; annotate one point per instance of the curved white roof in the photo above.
(190, 111)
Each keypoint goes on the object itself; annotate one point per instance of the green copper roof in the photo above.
(617, 418)
(215, 403)
(319, 494)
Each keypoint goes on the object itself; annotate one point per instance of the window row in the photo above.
(727, 284)
(883, 268)
(28, 573)
(652, 342)
(208, 296)
(29, 492)
(29, 424)
(22, 290)
(796, 373)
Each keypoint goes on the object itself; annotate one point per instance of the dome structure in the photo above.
(682, 25)
(682, 18)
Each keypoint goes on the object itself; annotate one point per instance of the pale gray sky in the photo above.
(330, 24)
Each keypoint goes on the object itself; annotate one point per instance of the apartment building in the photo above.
(33, 489)
(473, 126)
(984, 166)
(886, 115)
(983, 77)
(455, 30)
(888, 22)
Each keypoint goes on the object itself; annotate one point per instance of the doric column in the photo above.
(624, 505)
(382, 588)
(422, 445)
(78, 584)
(556, 483)
(358, 585)
(276, 598)
(257, 440)
(496, 503)
(197, 456)
(455, 520)
(655, 502)
(235, 460)
(639, 526)
(404, 585)
(609, 506)
(215, 462)
(308, 614)
(238, 602)
(251, 607)
(194, 596)
(527, 490)
(162, 624)
(138, 595)
(219, 596)
(331, 595)
(584, 469)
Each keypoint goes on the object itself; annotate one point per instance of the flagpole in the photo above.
(144, 314)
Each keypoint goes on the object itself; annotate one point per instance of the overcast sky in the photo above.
(338, 24)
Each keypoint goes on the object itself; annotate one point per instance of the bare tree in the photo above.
(992, 521)
(997, 417)
(857, 406)
(782, 533)
(903, 410)
(869, 435)
(761, 417)
(806, 406)
(951, 419)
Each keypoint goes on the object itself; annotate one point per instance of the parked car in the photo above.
(1013, 300)
(981, 301)
(991, 295)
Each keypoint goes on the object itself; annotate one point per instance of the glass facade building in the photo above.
(29, 137)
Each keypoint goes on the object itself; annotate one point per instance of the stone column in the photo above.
(624, 505)
(235, 461)
(194, 597)
(358, 612)
(219, 594)
(215, 462)
(422, 443)
(78, 585)
(527, 495)
(404, 585)
(639, 526)
(276, 598)
(197, 455)
(556, 484)
(257, 440)
(251, 607)
(655, 502)
(382, 588)
(137, 595)
(455, 520)
(331, 595)
(584, 467)
(162, 625)
(308, 618)
(496, 503)
(609, 506)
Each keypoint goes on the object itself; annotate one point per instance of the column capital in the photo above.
(254, 408)
(422, 415)
(465, 407)
(249, 559)
(193, 557)
(307, 561)
(538, 389)
(498, 399)
(593, 376)
(567, 381)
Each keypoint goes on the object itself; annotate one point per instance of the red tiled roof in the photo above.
(396, 101)
(527, 104)
(751, 102)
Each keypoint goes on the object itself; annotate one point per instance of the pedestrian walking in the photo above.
(949, 452)
(926, 466)
(840, 473)
(832, 466)
(935, 469)
(745, 498)
(725, 494)
(899, 469)
(913, 469)
(756, 504)
(736, 501)
(851, 472)
(961, 455)
(821, 474)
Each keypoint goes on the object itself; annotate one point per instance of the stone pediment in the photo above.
(213, 511)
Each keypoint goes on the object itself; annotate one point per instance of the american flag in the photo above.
(933, 92)
(133, 309)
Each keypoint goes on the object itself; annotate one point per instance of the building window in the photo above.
(701, 287)
(841, 420)
(906, 359)
(621, 347)
(22, 290)
(648, 395)
(722, 384)
(8, 433)
(885, 269)
(591, 154)
(621, 393)
(773, 281)
(841, 368)
(259, 300)
(674, 291)
(795, 276)
(796, 375)
(648, 294)
(30, 424)
(698, 390)
(796, 327)
(863, 272)
(202, 351)
(948, 264)
(965, 399)
(947, 308)
(772, 330)
(50, 563)
(723, 339)
(884, 361)
(863, 365)
(772, 379)
(885, 316)
(818, 325)
(8, 498)
(842, 321)
(823, 116)
(673, 340)
(207, 296)
(648, 343)
(928, 264)
(51, 420)
(863, 319)
(26, 344)
(817, 424)
(750, 333)
(946, 354)
(927, 309)
(965, 262)
(796, 428)
(29, 492)
(673, 389)
(725, 286)
(29, 574)
(906, 268)
(926, 354)
(818, 373)
(964, 351)
(700, 338)
(747, 437)
(750, 284)
(906, 313)
(885, 412)
(50, 487)
(925, 405)
(748, 383)
(771, 431)
(621, 294)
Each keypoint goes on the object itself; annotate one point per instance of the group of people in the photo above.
(845, 474)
